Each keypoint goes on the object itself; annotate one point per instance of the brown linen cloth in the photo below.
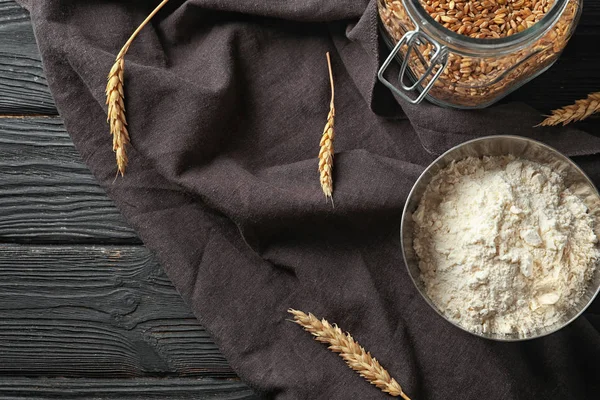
(226, 101)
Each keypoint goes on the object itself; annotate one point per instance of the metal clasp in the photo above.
(439, 58)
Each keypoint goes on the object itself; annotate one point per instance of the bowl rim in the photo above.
(434, 164)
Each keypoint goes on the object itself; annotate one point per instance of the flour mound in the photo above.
(504, 246)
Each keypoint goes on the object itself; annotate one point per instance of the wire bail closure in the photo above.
(439, 58)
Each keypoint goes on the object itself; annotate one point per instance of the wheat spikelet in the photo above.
(326, 144)
(115, 96)
(355, 355)
(575, 112)
(116, 113)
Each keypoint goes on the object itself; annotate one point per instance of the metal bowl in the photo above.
(527, 149)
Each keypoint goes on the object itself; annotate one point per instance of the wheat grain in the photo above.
(469, 80)
(353, 354)
(115, 98)
(582, 109)
(116, 113)
(326, 144)
(494, 19)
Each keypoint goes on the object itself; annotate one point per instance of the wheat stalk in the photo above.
(575, 112)
(355, 355)
(326, 144)
(115, 96)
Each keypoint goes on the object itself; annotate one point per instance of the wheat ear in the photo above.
(575, 112)
(326, 150)
(115, 98)
(355, 355)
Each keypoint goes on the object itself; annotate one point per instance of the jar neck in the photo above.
(478, 47)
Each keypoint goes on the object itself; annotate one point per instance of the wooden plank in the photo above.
(90, 311)
(23, 87)
(127, 389)
(47, 194)
(591, 10)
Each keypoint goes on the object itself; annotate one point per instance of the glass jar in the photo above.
(453, 70)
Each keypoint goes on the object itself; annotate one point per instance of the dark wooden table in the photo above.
(85, 310)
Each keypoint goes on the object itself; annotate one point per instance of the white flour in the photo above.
(504, 246)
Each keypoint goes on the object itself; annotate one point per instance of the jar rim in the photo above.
(508, 43)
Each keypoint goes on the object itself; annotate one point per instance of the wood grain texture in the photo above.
(47, 194)
(90, 311)
(23, 87)
(126, 389)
